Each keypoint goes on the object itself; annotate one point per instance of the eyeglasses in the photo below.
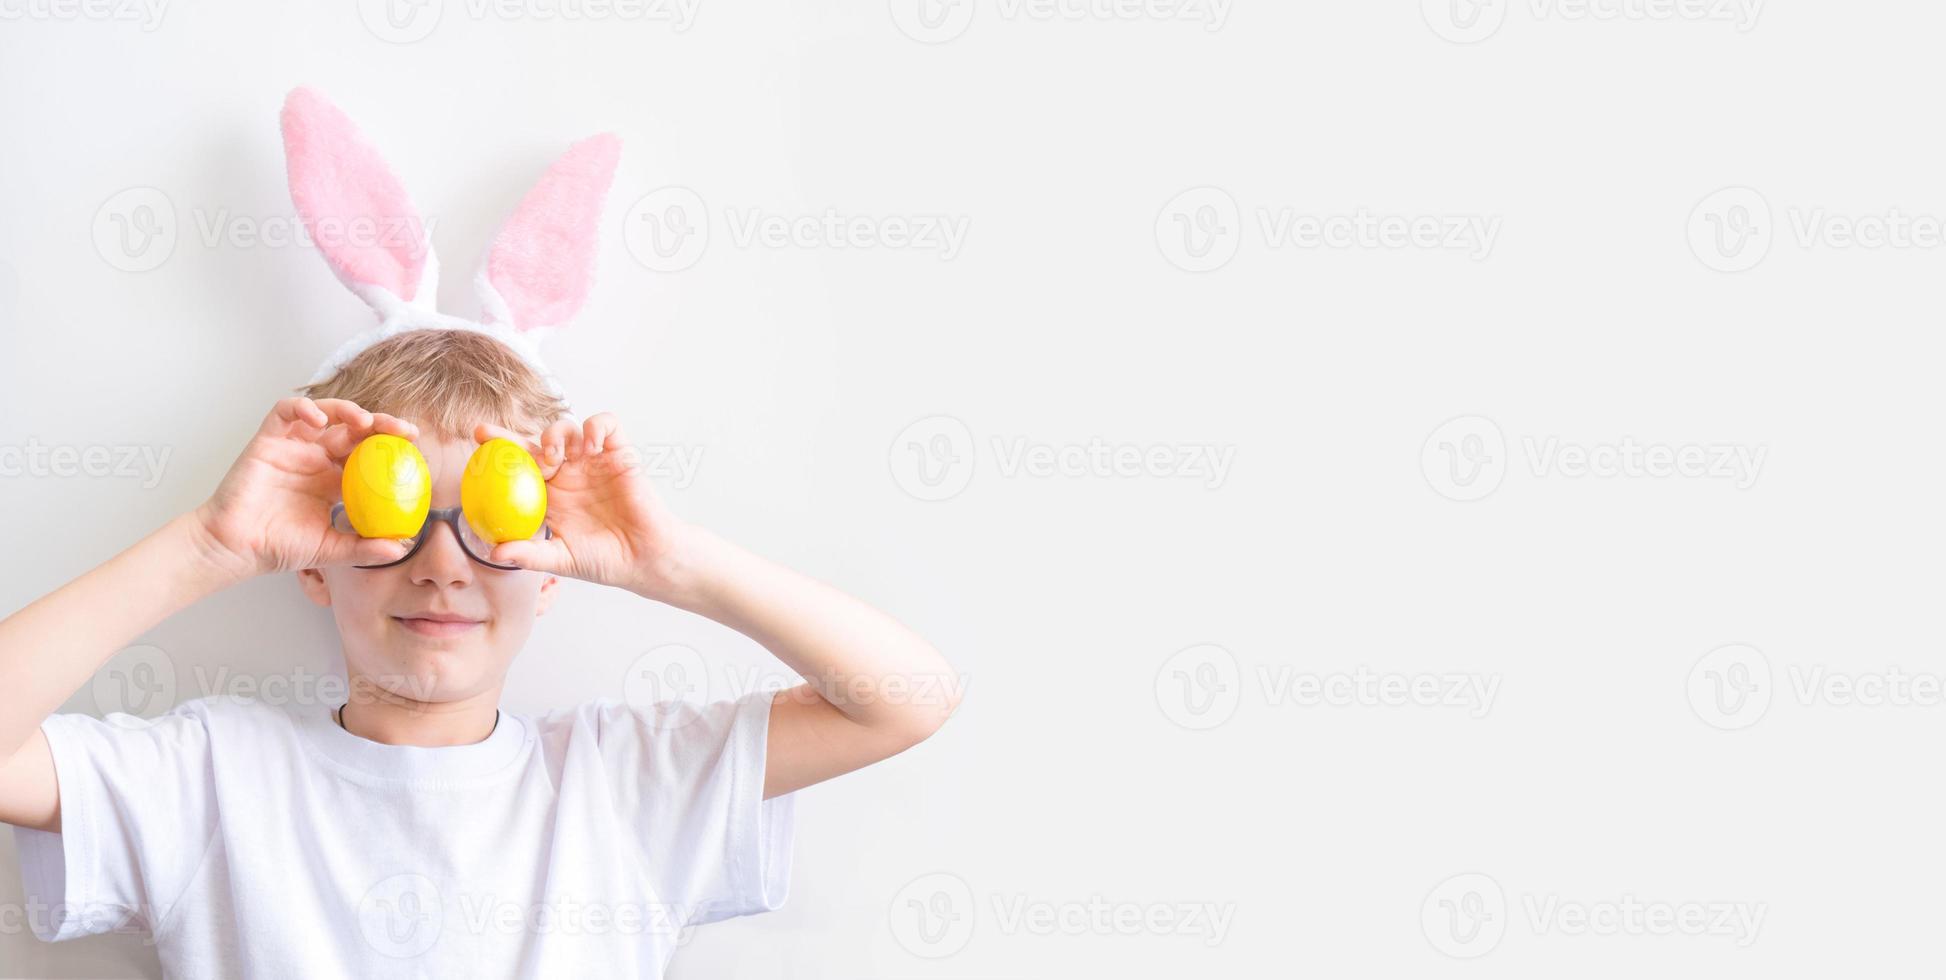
(476, 547)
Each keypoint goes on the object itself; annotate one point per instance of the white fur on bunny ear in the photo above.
(357, 212)
(542, 263)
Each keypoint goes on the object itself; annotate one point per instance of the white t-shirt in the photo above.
(252, 840)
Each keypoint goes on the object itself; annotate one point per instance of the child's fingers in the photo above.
(342, 548)
(313, 421)
(395, 426)
(341, 412)
(339, 440)
(604, 437)
(549, 556)
(561, 442)
(602, 431)
(485, 431)
(292, 411)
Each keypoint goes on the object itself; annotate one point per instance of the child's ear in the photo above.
(550, 586)
(311, 580)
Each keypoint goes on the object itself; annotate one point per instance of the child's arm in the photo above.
(51, 648)
(271, 513)
(874, 688)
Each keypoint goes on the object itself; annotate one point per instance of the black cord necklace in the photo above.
(340, 715)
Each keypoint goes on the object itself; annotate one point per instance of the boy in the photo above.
(416, 830)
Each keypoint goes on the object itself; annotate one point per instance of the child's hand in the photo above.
(272, 512)
(607, 523)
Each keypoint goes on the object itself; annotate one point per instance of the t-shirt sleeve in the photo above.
(136, 818)
(691, 783)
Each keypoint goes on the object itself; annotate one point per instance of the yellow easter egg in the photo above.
(387, 488)
(502, 493)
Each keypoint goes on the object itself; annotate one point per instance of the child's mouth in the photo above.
(437, 627)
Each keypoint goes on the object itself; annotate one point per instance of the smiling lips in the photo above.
(437, 624)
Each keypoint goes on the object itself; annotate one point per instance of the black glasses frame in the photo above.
(452, 516)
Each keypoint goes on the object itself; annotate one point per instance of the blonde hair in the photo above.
(445, 381)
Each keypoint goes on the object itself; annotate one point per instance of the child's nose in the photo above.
(441, 560)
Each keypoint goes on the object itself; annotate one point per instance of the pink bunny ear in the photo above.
(355, 209)
(542, 263)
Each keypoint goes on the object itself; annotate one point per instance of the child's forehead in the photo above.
(446, 449)
(446, 454)
(443, 453)
(431, 434)
(446, 463)
(428, 439)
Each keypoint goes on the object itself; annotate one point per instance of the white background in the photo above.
(1619, 761)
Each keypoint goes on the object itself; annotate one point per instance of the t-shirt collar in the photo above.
(319, 727)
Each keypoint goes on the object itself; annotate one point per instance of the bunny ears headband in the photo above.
(536, 274)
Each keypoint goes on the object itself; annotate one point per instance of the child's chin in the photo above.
(432, 680)
(434, 671)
